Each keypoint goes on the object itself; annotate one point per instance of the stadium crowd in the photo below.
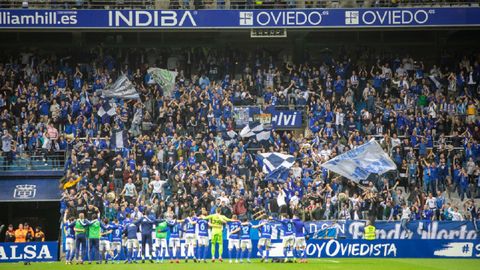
(424, 116)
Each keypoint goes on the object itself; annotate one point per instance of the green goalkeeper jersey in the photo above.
(161, 230)
(217, 222)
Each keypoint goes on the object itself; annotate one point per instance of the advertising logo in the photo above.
(351, 17)
(25, 191)
(246, 18)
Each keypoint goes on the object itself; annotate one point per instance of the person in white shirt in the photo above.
(431, 202)
(157, 187)
(281, 199)
(129, 191)
(405, 218)
(456, 216)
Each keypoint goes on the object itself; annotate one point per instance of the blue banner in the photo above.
(392, 230)
(29, 252)
(12, 190)
(235, 19)
(346, 248)
(387, 230)
(286, 119)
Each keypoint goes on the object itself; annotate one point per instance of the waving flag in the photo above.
(260, 131)
(273, 161)
(276, 165)
(165, 78)
(108, 109)
(119, 140)
(357, 164)
(229, 137)
(121, 88)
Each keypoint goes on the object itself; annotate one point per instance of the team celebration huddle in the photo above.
(171, 238)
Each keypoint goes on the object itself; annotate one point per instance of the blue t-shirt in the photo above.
(231, 227)
(174, 229)
(117, 231)
(287, 227)
(69, 231)
(266, 230)
(190, 225)
(245, 231)
(202, 227)
(299, 227)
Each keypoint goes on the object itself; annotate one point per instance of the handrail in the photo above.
(34, 161)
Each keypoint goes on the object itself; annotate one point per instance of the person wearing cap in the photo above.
(10, 234)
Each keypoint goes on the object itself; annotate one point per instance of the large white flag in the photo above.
(357, 164)
(121, 88)
(165, 78)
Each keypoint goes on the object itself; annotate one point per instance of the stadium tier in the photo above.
(245, 131)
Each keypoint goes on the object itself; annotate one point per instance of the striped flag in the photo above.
(119, 140)
(276, 165)
(261, 131)
(108, 109)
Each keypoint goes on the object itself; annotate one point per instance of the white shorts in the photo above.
(264, 242)
(69, 244)
(190, 239)
(160, 242)
(203, 240)
(132, 243)
(246, 244)
(116, 245)
(233, 243)
(174, 242)
(104, 245)
(288, 241)
(300, 242)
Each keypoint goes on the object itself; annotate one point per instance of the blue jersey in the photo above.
(117, 232)
(69, 231)
(231, 227)
(266, 230)
(174, 229)
(287, 227)
(202, 227)
(105, 235)
(131, 230)
(189, 224)
(245, 231)
(299, 227)
(146, 224)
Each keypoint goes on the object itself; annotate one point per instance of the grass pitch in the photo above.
(320, 264)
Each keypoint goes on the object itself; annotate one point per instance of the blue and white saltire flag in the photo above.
(273, 161)
(107, 108)
(119, 140)
(260, 131)
(357, 164)
(229, 137)
(279, 175)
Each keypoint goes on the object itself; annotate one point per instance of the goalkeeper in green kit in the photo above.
(216, 222)
(161, 240)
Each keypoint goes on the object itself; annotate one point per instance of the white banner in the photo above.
(357, 164)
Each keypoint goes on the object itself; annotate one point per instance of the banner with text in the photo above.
(29, 252)
(235, 19)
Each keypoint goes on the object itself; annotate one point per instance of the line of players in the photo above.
(96, 240)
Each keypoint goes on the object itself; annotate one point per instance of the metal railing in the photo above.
(32, 161)
(227, 4)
